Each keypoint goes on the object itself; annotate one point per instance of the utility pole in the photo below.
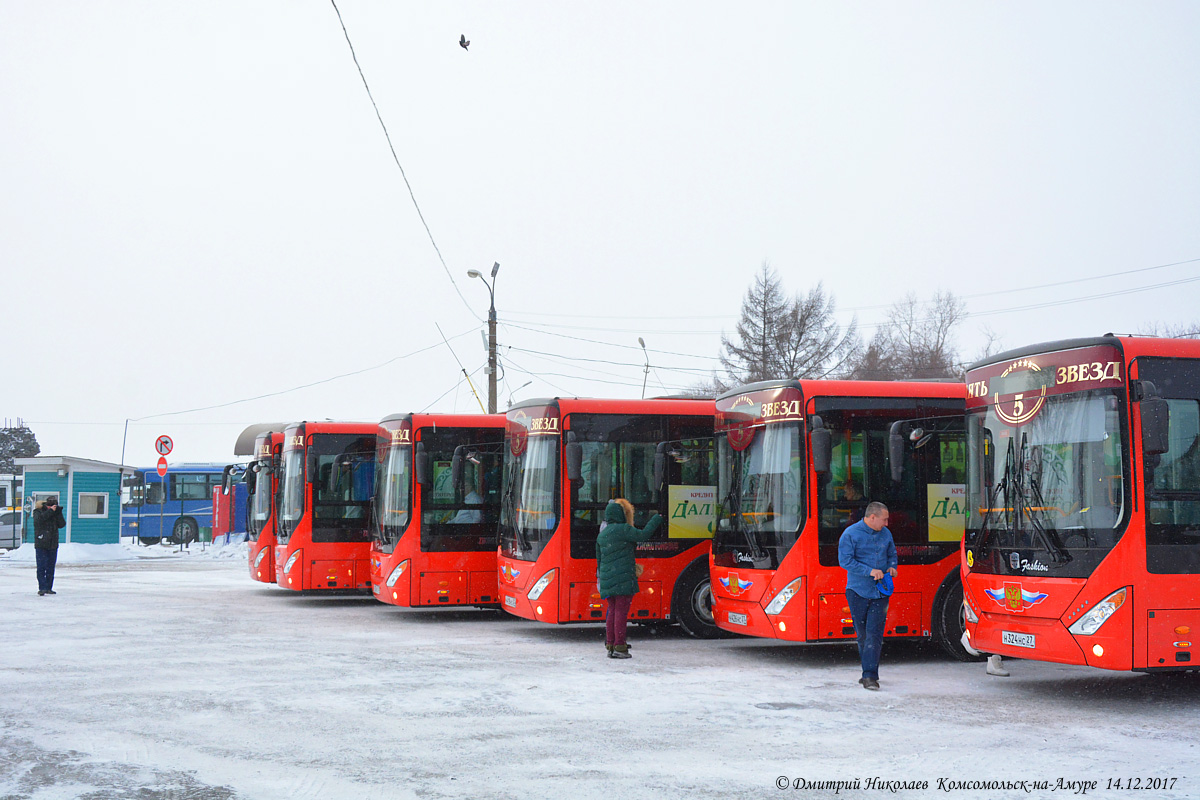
(474, 273)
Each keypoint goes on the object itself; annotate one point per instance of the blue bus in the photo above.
(173, 508)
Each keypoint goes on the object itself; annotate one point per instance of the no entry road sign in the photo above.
(162, 467)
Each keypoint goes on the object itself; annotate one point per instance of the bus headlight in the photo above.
(1090, 622)
(541, 585)
(397, 572)
(972, 617)
(261, 554)
(780, 600)
(291, 562)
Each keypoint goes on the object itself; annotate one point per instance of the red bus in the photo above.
(798, 461)
(437, 505)
(1083, 487)
(265, 444)
(324, 506)
(229, 506)
(565, 459)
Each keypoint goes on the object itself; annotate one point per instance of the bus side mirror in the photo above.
(423, 465)
(251, 480)
(574, 458)
(660, 465)
(313, 465)
(1156, 418)
(1156, 426)
(896, 449)
(822, 445)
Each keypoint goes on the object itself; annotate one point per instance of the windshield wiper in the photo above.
(509, 505)
(985, 533)
(1049, 539)
(757, 554)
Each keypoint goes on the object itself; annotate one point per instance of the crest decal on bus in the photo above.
(509, 573)
(735, 585)
(1014, 598)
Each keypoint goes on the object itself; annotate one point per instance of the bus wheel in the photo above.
(149, 540)
(692, 604)
(950, 619)
(186, 531)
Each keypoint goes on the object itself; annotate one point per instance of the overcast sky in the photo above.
(198, 205)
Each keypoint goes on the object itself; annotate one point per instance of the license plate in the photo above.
(737, 619)
(511, 602)
(1017, 639)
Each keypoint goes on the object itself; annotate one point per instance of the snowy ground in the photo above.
(178, 677)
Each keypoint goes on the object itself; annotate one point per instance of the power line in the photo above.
(573, 359)
(396, 158)
(606, 344)
(870, 307)
(303, 386)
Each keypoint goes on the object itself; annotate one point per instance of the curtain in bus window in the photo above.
(1071, 446)
(637, 475)
(770, 485)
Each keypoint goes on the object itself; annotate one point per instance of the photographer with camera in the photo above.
(47, 520)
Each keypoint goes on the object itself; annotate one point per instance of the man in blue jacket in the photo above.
(866, 551)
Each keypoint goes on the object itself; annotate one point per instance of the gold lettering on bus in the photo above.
(1094, 371)
(977, 389)
(295, 441)
(402, 436)
(780, 408)
(544, 424)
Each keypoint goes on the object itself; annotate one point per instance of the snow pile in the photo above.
(73, 553)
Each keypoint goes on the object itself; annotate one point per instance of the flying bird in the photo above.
(464, 42)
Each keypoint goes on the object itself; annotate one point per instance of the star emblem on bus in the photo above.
(1014, 598)
(735, 585)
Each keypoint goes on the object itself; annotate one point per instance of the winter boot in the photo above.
(620, 651)
(609, 648)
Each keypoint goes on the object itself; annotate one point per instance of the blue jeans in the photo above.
(45, 568)
(869, 618)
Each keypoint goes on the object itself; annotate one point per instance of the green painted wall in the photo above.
(90, 530)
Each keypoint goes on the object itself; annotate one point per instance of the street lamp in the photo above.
(646, 371)
(514, 391)
(474, 273)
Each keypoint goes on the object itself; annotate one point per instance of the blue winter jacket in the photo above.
(861, 550)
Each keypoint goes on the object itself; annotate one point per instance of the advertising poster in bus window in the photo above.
(693, 512)
(947, 511)
(443, 486)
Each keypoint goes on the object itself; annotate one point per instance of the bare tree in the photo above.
(916, 341)
(1165, 331)
(786, 337)
(810, 343)
(750, 357)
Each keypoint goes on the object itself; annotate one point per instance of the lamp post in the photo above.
(646, 371)
(474, 273)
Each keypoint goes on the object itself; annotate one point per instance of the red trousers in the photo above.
(616, 618)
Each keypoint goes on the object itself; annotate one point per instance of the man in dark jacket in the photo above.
(867, 553)
(47, 519)
(616, 570)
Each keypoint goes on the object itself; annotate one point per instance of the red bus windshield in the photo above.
(1047, 463)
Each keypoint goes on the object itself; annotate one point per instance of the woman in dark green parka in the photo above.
(616, 570)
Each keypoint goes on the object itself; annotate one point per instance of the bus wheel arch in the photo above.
(186, 531)
(691, 602)
(949, 618)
